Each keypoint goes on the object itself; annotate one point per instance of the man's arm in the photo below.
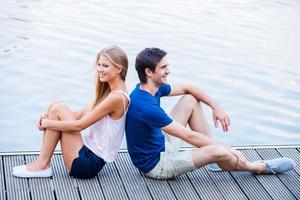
(200, 140)
(199, 94)
(218, 113)
(189, 136)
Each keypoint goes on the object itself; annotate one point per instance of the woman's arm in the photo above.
(109, 105)
(79, 114)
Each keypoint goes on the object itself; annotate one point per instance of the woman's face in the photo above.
(106, 70)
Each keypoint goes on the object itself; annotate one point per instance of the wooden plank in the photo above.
(2, 181)
(17, 188)
(271, 183)
(293, 154)
(182, 188)
(133, 181)
(90, 188)
(159, 189)
(64, 186)
(250, 185)
(204, 184)
(227, 185)
(40, 188)
(289, 179)
(120, 180)
(111, 183)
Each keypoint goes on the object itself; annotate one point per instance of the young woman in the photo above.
(85, 156)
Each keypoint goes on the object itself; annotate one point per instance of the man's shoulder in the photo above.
(143, 106)
(139, 97)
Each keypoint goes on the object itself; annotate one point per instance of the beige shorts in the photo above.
(173, 162)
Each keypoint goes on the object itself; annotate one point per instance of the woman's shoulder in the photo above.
(120, 94)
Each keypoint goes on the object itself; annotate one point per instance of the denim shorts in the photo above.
(86, 165)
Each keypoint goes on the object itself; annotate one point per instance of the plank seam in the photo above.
(53, 189)
(121, 164)
(261, 158)
(98, 179)
(146, 184)
(77, 188)
(278, 176)
(27, 179)
(126, 192)
(188, 177)
(4, 180)
(174, 193)
(28, 185)
(244, 192)
(283, 156)
(283, 182)
(213, 181)
(256, 177)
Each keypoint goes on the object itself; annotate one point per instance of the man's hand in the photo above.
(241, 160)
(220, 115)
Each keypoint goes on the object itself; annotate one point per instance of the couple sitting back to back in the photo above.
(153, 137)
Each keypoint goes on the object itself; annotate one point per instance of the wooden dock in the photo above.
(120, 180)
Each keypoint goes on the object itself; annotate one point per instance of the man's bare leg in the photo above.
(189, 111)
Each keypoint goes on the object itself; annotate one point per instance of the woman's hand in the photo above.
(39, 122)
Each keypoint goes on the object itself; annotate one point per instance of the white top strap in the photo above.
(126, 95)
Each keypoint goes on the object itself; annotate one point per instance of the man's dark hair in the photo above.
(148, 58)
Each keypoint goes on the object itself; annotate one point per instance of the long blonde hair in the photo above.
(119, 59)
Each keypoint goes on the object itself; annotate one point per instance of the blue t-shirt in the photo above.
(144, 121)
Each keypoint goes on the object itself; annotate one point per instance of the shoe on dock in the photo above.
(22, 172)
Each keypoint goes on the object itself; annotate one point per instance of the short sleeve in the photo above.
(156, 117)
(164, 90)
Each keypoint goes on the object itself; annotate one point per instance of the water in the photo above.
(245, 54)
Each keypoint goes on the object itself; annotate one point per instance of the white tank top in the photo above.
(105, 136)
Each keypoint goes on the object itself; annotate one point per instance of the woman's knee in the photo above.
(54, 103)
(57, 107)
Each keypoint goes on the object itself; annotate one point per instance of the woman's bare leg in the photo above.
(49, 142)
(70, 142)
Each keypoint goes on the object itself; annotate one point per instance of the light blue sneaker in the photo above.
(278, 165)
(214, 167)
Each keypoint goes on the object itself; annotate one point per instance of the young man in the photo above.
(156, 153)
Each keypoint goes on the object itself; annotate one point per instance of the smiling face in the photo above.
(106, 70)
(159, 76)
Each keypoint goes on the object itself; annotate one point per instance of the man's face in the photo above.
(159, 77)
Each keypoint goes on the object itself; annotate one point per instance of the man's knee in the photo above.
(220, 153)
(189, 100)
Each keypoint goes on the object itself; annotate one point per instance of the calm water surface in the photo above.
(245, 54)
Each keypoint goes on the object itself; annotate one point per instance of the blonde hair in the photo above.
(119, 59)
